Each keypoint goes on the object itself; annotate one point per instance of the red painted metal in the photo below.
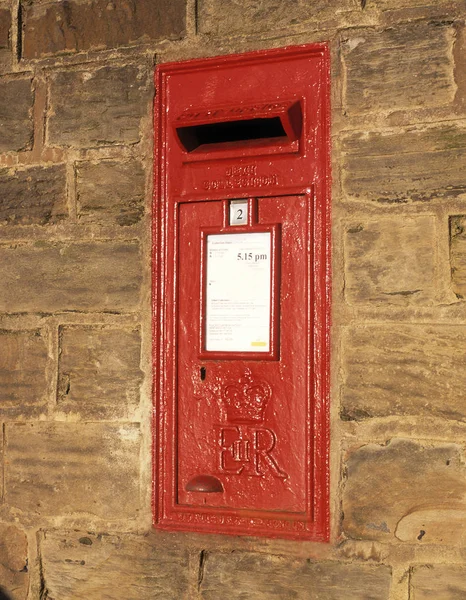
(241, 438)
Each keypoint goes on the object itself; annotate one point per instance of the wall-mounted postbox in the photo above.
(241, 294)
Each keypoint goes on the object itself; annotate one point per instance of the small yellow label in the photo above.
(259, 344)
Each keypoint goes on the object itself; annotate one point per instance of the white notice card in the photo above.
(238, 292)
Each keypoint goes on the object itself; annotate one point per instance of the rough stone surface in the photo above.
(400, 4)
(23, 383)
(402, 166)
(241, 575)
(57, 27)
(14, 577)
(387, 485)
(97, 107)
(435, 582)
(16, 100)
(79, 566)
(33, 196)
(5, 26)
(224, 17)
(382, 65)
(458, 254)
(404, 370)
(110, 192)
(60, 469)
(99, 374)
(47, 277)
(391, 260)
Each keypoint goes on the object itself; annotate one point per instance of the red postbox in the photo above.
(241, 294)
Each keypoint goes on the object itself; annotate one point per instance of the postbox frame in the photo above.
(167, 515)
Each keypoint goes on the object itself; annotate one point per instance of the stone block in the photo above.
(410, 66)
(404, 370)
(14, 577)
(23, 383)
(60, 469)
(400, 166)
(87, 276)
(458, 254)
(82, 566)
(110, 192)
(52, 28)
(405, 489)
(16, 128)
(226, 17)
(435, 582)
(33, 196)
(98, 107)
(391, 261)
(239, 575)
(5, 28)
(99, 374)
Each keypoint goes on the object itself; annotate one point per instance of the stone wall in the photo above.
(75, 195)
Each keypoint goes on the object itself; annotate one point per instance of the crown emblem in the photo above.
(246, 399)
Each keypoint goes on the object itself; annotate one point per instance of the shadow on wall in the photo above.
(4, 595)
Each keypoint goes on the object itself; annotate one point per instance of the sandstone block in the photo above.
(438, 581)
(59, 469)
(5, 39)
(98, 107)
(391, 261)
(23, 384)
(409, 66)
(14, 578)
(390, 489)
(259, 577)
(404, 166)
(80, 566)
(16, 128)
(48, 277)
(99, 374)
(110, 192)
(458, 254)
(33, 196)
(404, 370)
(5, 27)
(226, 17)
(58, 27)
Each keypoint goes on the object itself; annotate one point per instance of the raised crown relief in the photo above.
(246, 399)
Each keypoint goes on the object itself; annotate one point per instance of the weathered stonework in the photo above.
(458, 255)
(65, 469)
(5, 27)
(381, 67)
(55, 27)
(33, 196)
(5, 39)
(16, 128)
(391, 261)
(99, 375)
(400, 166)
(391, 492)
(47, 277)
(97, 107)
(23, 375)
(438, 581)
(224, 17)
(404, 370)
(76, 147)
(259, 577)
(110, 192)
(78, 565)
(14, 574)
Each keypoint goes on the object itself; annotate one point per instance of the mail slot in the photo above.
(241, 294)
